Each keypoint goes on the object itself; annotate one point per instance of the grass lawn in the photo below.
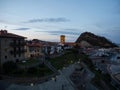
(39, 70)
(29, 62)
(62, 61)
(33, 72)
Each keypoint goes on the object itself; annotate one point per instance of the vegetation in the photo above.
(10, 68)
(33, 72)
(29, 62)
(68, 58)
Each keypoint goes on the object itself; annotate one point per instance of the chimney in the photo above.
(3, 32)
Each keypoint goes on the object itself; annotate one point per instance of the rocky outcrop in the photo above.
(88, 39)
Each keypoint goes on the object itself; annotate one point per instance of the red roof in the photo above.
(5, 34)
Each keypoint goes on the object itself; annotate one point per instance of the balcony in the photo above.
(18, 51)
(23, 50)
(22, 43)
(19, 44)
(11, 52)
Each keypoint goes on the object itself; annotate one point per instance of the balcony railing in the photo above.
(19, 44)
(18, 51)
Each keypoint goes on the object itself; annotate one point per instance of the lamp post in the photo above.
(63, 67)
(53, 78)
(71, 61)
(31, 84)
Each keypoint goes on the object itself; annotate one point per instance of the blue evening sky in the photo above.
(48, 19)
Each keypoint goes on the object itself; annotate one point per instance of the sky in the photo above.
(48, 19)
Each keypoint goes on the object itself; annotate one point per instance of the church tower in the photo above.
(62, 39)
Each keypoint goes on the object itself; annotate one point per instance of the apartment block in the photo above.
(12, 47)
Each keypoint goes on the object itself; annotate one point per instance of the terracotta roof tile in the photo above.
(4, 34)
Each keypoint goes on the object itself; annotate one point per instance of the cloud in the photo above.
(59, 32)
(117, 9)
(22, 29)
(71, 29)
(53, 20)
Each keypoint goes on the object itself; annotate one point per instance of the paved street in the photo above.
(60, 82)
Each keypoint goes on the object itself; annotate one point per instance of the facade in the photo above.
(34, 50)
(12, 47)
(52, 49)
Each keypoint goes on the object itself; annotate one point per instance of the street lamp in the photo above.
(53, 78)
(31, 84)
(63, 67)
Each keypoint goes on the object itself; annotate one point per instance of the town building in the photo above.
(12, 47)
(51, 48)
(34, 50)
(62, 39)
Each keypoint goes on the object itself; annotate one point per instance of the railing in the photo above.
(22, 51)
(18, 51)
(18, 44)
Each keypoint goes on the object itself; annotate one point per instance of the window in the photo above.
(5, 40)
(5, 57)
(17, 60)
(19, 55)
(5, 49)
(14, 55)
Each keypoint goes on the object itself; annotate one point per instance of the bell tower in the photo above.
(62, 39)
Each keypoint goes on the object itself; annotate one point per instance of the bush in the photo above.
(41, 65)
(9, 67)
(19, 72)
(32, 70)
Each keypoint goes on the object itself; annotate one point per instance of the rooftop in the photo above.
(5, 34)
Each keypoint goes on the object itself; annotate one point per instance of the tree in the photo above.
(48, 50)
(32, 70)
(9, 67)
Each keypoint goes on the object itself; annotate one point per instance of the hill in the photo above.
(90, 39)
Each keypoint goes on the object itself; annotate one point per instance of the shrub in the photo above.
(9, 67)
(19, 72)
(32, 70)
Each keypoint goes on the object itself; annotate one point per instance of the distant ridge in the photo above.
(90, 39)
